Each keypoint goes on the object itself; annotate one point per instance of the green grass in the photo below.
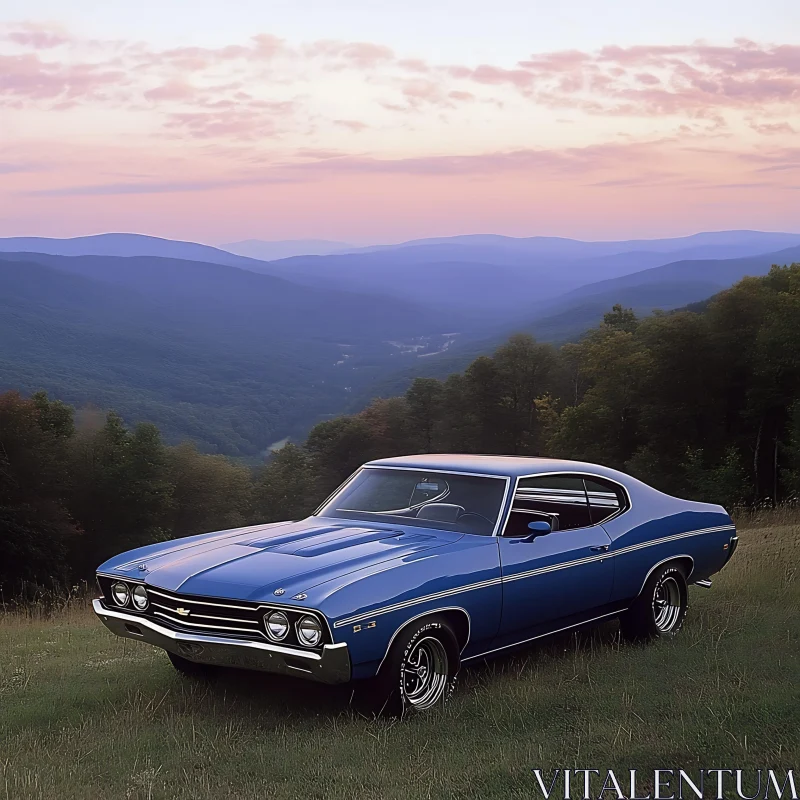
(86, 715)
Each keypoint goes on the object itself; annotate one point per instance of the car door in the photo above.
(552, 580)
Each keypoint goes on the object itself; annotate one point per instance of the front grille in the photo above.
(206, 615)
(212, 616)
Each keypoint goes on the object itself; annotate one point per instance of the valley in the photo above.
(236, 353)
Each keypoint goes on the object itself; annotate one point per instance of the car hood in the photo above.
(252, 563)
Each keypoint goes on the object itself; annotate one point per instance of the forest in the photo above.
(703, 402)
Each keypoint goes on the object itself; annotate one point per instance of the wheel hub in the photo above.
(666, 604)
(425, 673)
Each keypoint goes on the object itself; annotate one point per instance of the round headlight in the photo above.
(277, 624)
(140, 597)
(309, 631)
(121, 593)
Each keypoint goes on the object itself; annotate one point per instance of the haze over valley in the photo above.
(237, 353)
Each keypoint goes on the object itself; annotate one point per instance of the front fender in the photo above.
(368, 611)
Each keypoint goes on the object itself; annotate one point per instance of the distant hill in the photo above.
(675, 285)
(272, 251)
(124, 244)
(237, 352)
(502, 276)
(492, 278)
(742, 240)
(230, 358)
(722, 272)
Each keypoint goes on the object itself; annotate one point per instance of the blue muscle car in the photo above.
(418, 564)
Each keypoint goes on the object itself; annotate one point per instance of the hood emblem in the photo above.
(142, 567)
(301, 596)
(279, 592)
(184, 612)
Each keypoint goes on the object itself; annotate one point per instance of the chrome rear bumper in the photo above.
(332, 665)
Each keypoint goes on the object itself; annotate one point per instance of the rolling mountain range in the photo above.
(272, 251)
(237, 352)
(230, 358)
(125, 245)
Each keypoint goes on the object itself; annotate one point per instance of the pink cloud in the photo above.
(40, 37)
(494, 76)
(353, 125)
(689, 78)
(697, 80)
(27, 77)
(772, 128)
(172, 90)
(414, 64)
(237, 118)
(229, 124)
(518, 192)
(464, 97)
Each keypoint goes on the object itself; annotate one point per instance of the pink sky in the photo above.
(265, 136)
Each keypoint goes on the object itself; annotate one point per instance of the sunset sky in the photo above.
(372, 122)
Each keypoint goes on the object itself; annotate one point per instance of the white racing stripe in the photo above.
(529, 574)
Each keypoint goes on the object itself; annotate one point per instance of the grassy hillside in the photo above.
(86, 715)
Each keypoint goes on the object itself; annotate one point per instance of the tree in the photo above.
(209, 492)
(122, 494)
(483, 393)
(424, 402)
(621, 319)
(721, 483)
(337, 447)
(36, 530)
(604, 425)
(286, 487)
(524, 369)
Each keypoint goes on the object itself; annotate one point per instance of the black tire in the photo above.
(429, 648)
(659, 611)
(191, 669)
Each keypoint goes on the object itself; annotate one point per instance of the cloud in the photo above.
(353, 125)
(647, 80)
(772, 128)
(172, 90)
(229, 123)
(13, 167)
(773, 160)
(361, 55)
(694, 81)
(40, 37)
(540, 161)
(308, 165)
(27, 77)
(177, 185)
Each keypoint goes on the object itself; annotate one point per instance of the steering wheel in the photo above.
(479, 516)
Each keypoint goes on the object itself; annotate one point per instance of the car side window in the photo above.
(606, 499)
(559, 499)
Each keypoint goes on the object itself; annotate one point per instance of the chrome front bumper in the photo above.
(332, 665)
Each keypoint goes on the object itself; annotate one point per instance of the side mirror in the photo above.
(539, 526)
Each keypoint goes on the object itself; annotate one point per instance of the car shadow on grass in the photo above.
(278, 694)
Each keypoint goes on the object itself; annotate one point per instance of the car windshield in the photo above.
(464, 503)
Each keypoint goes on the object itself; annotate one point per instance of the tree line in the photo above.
(702, 403)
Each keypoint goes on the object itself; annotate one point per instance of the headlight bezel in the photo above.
(288, 625)
(134, 604)
(127, 594)
(317, 627)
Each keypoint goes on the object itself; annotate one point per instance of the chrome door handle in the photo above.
(601, 548)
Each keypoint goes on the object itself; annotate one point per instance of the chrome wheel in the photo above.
(425, 673)
(666, 604)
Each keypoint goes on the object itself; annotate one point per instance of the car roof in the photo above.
(505, 466)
